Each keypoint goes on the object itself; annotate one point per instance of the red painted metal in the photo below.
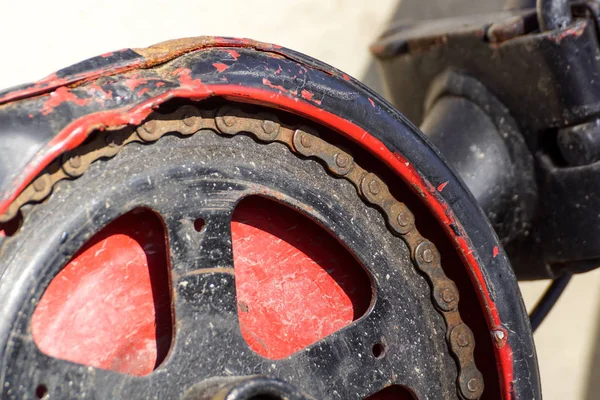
(295, 283)
(110, 306)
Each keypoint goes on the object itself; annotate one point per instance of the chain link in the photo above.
(265, 127)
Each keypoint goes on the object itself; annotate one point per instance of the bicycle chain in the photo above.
(265, 127)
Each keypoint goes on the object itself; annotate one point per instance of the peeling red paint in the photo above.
(159, 84)
(99, 94)
(135, 81)
(306, 94)
(52, 81)
(347, 78)
(442, 185)
(268, 83)
(49, 82)
(279, 70)
(143, 91)
(30, 115)
(495, 251)
(185, 77)
(232, 53)
(309, 96)
(60, 96)
(110, 53)
(220, 66)
(575, 31)
(372, 102)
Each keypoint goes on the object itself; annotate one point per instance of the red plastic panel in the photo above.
(295, 283)
(110, 306)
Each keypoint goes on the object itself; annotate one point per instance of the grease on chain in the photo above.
(265, 127)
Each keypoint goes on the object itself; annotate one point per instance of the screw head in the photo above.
(269, 126)
(342, 160)
(463, 339)
(229, 120)
(305, 140)
(374, 187)
(448, 295)
(403, 219)
(428, 255)
(499, 337)
(473, 385)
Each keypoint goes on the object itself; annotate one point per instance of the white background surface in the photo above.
(39, 37)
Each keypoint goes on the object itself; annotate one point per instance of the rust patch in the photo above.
(506, 30)
(574, 30)
(425, 44)
(243, 307)
(165, 51)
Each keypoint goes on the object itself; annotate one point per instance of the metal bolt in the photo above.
(39, 185)
(403, 219)
(75, 162)
(448, 295)
(150, 126)
(473, 385)
(428, 255)
(374, 187)
(269, 126)
(305, 140)
(463, 339)
(499, 337)
(342, 160)
(229, 120)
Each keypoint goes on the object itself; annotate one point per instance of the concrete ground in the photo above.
(41, 37)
